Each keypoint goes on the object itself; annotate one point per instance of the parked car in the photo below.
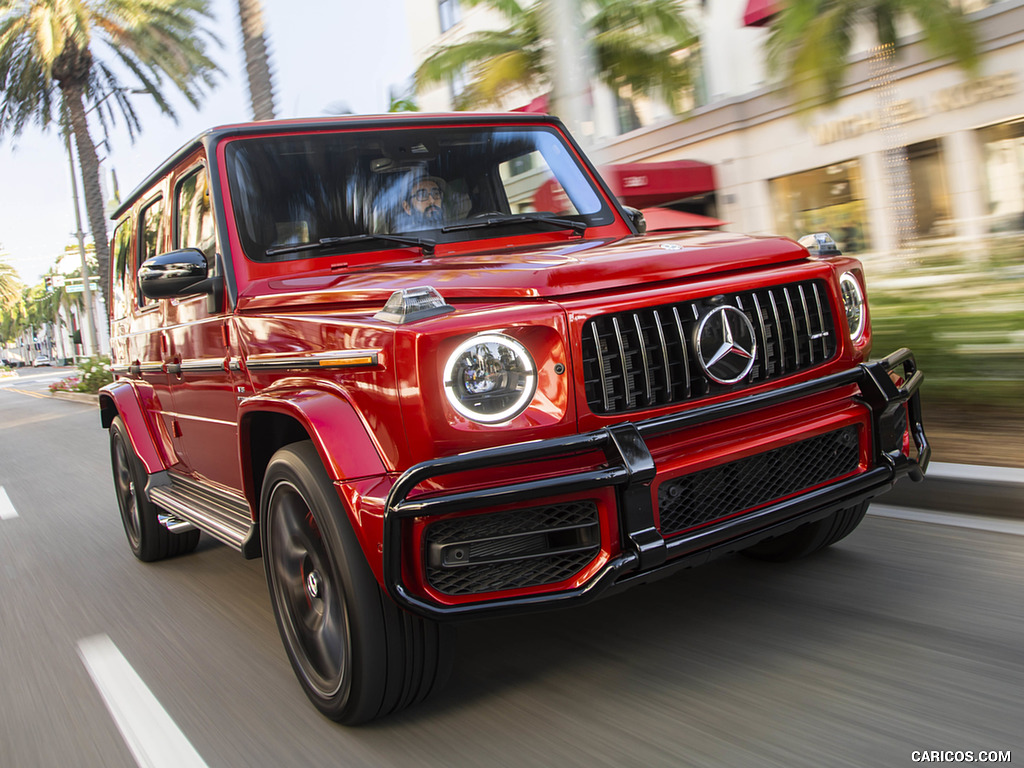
(428, 368)
(41, 360)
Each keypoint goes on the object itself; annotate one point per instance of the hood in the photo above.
(535, 272)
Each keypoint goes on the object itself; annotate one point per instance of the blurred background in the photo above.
(896, 126)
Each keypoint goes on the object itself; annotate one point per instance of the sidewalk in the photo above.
(990, 491)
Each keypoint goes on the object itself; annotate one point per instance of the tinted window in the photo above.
(195, 214)
(122, 268)
(151, 236)
(293, 190)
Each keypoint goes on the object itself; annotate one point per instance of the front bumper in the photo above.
(630, 470)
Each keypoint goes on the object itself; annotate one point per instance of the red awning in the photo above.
(668, 218)
(537, 106)
(644, 184)
(759, 12)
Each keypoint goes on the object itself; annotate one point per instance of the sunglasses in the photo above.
(422, 195)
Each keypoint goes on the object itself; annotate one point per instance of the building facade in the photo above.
(960, 177)
(782, 172)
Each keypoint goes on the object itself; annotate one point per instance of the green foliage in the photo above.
(61, 59)
(810, 40)
(10, 286)
(48, 46)
(403, 104)
(93, 373)
(636, 44)
(963, 316)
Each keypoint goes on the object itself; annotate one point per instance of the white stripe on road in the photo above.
(974, 522)
(7, 510)
(150, 733)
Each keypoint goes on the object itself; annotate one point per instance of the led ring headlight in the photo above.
(490, 378)
(853, 302)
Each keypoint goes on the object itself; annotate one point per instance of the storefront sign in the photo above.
(630, 182)
(907, 110)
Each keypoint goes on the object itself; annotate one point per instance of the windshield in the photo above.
(345, 190)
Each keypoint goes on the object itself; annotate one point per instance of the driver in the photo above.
(423, 205)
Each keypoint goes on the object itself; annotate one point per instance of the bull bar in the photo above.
(631, 469)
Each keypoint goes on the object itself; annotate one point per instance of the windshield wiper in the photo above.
(426, 245)
(486, 222)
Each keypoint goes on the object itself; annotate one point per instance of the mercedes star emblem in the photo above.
(725, 344)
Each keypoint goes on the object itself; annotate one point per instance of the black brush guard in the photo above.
(646, 554)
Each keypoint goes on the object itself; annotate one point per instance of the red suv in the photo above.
(428, 367)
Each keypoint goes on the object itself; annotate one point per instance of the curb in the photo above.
(76, 397)
(988, 491)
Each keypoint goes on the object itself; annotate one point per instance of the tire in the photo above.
(356, 654)
(811, 537)
(149, 540)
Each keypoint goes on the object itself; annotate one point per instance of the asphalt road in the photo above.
(904, 637)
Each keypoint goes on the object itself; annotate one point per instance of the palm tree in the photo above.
(11, 321)
(50, 70)
(636, 43)
(257, 59)
(10, 285)
(26, 316)
(810, 40)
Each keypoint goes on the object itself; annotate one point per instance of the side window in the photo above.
(194, 222)
(151, 236)
(122, 266)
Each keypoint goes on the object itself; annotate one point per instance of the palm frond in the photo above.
(810, 40)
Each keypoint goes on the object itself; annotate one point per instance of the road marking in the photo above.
(152, 736)
(974, 522)
(7, 510)
(26, 392)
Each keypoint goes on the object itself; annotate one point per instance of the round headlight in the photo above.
(853, 301)
(490, 378)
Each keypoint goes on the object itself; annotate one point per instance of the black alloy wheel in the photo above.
(356, 654)
(124, 486)
(308, 591)
(148, 538)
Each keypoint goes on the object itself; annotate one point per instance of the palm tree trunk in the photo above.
(257, 59)
(90, 166)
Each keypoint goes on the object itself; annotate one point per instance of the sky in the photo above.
(323, 52)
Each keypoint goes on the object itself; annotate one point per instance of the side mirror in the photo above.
(176, 273)
(636, 218)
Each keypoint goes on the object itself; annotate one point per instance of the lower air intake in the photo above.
(511, 550)
(728, 489)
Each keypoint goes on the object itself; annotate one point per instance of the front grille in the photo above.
(511, 550)
(728, 489)
(645, 358)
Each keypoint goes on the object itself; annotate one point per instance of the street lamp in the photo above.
(90, 318)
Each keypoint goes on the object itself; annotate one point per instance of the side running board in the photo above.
(188, 504)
